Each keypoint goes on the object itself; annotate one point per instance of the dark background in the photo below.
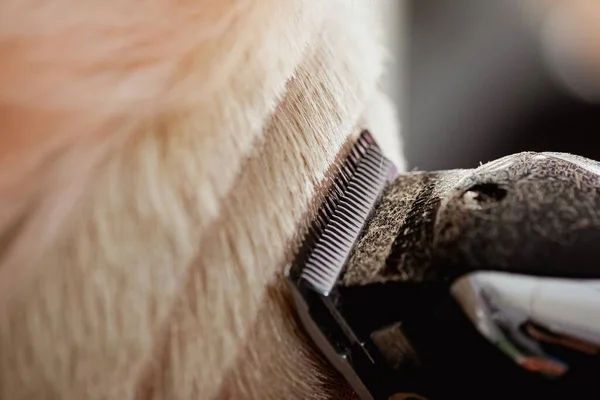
(479, 86)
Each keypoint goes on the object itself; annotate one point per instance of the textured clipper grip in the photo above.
(527, 213)
(531, 213)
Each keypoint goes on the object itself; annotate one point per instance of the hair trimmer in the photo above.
(461, 284)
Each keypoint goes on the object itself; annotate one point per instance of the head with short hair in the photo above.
(159, 161)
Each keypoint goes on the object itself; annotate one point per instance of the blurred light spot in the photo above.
(565, 49)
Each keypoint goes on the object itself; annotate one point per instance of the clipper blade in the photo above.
(346, 208)
(316, 269)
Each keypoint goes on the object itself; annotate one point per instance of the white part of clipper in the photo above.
(333, 248)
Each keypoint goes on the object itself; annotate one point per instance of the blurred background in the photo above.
(475, 80)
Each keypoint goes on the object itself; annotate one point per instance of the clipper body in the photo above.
(471, 284)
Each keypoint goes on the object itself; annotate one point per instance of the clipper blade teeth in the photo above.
(344, 213)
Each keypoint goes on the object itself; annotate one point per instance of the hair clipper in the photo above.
(470, 284)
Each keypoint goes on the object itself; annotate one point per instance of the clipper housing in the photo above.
(491, 288)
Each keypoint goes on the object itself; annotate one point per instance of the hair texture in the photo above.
(158, 162)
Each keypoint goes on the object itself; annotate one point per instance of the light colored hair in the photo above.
(158, 162)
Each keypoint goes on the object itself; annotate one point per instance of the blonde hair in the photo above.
(158, 161)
